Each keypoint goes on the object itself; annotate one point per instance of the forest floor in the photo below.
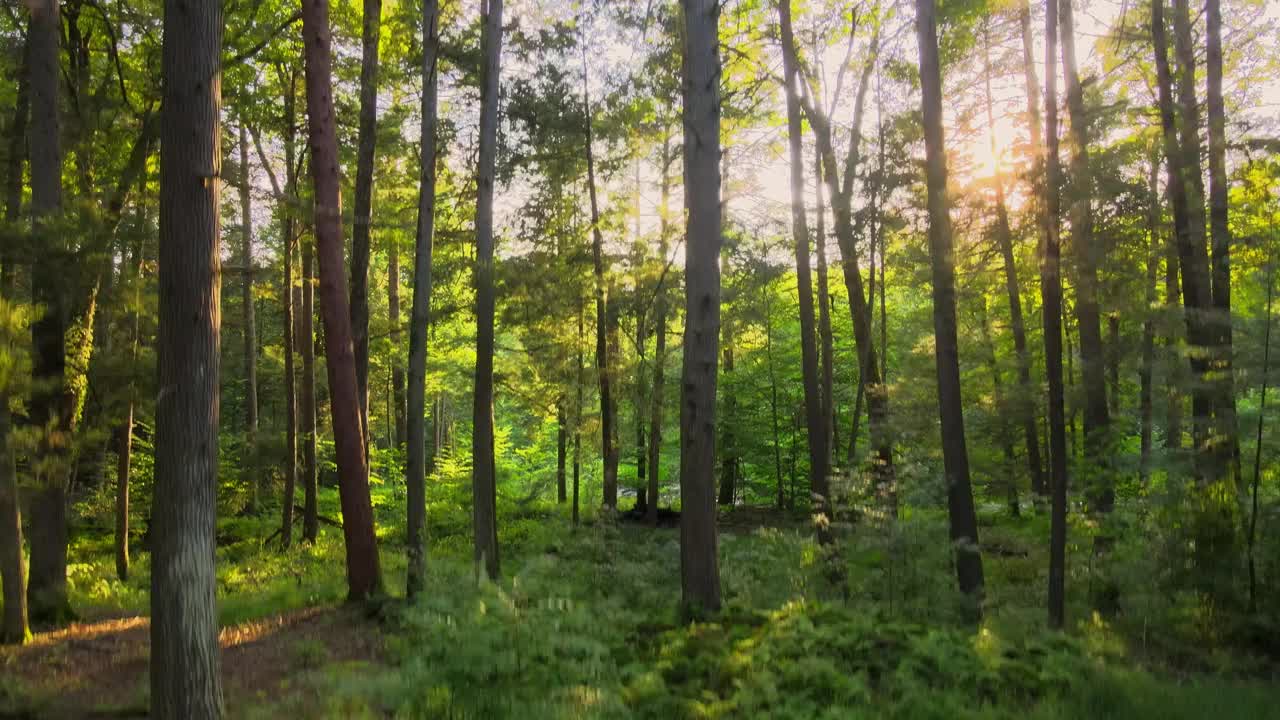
(99, 668)
(585, 624)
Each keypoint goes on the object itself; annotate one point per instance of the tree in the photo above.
(13, 562)
(52, 403)
(420, 319)
(815, 413)
(964, 521)
(184, 620)
(250, 331)
(365, 142)
(699, 553)
(364, 577)
(1051, 300)
(659, 335)
(483, 477)
(607, 419)
(1100, 488)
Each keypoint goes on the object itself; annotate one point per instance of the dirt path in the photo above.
(100, 669)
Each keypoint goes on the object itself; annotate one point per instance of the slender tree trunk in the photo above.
(364, 577)
(999, 405)
(773, 398)
(250, 336)
(397, 369)
(826, 344)
(729, 449)
(363, 209)
(307, 403)
(659, 340)
(1257, 450)
(817, 405)
(1026, 409)
(1175, 377)
(420, 319)
(292, 309)
(484, 483)
(1145, 373)
(642, 455)
(964, 522)
(1089, 257)
(562, 450)
(13, 563)
(602, 350)
(51, 406)
(577, 419)
(1051, 299)
(700, 70)
(185, 681)
(1228, 442)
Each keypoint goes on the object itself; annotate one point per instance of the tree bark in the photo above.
(1100, 486)
(52, 404)
(562, 450)
(659, 338)
(1026, 409)
(577, 418)
(484, 482)
(1228, 442)
(185, 681)
(1051, 300)
(13, 562)
(728, 490)
(817, 406)
(773, 400)
(963, 520)
(307, 402)
(397, 438)
(250, 336)
(420, 319)
(363, 210)
(826, 344)
(700, 70)
(602, 350)
(1257, 450)
(291, 312)
(999, 407)
(1146, 372)
(364, 577)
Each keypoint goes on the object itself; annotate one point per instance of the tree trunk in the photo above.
(484, 483)
(964, 522)
(1145, 373)
(773, 399)
(363, 210)
(420, 317)
(1100, 485)
(292, 310)
(817, 406)
(305, 340)
(1228, 442)
(1175, 378)
(659, 338)
(397, 438)
(1051, 299)
(52, 403)
(602, 350)
(826, 345)
(729, 450)
(364, 577)
(700, 70)
(642, 455)
(577, 419)
(1257, 450)
(185, 681)
(562, 450)
(1026, 409)
(999, 406)
(250, 336)
(13, 563)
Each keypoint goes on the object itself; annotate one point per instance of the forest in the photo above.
(639, 359)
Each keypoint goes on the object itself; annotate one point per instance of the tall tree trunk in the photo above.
(1196, 280)
(1175, 378)
(420, 318)
(1026, 409)
(999, 405)
(397, 370)
(642, 455)
(185, 681)
(363, 210)
(1099, 486)
(364, 577)
(728, 444)
(124, 452)
(826, 344)
(659, 338)
(700, 70)
(292, 310)
(13, 563)
(773, 399)
(1146, 372)
(307, 401)
(52, 405)
(1051, 302)
(562, 450)
(964, 522)
(602, 350)
(250, 335)
(817, 406)
(1228, 442)
(577, 419)
(484, 483)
